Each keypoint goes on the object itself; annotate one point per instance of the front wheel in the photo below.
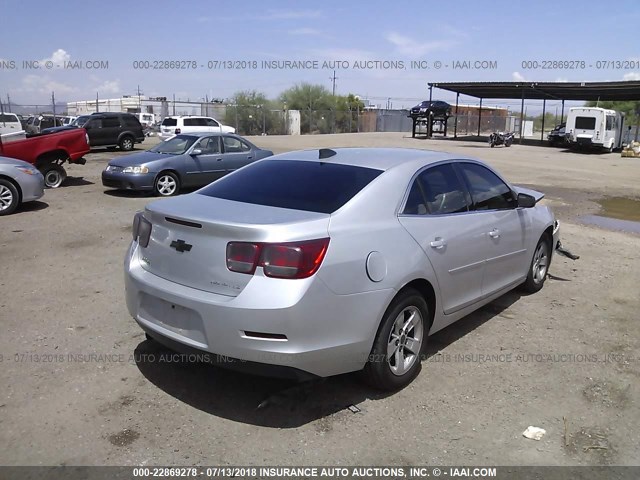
(397, 350)
(9, 197)
(539, 266)
(167, 184)
(54, 175)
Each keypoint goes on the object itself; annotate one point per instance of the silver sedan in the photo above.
(322, 262)
(19, 182)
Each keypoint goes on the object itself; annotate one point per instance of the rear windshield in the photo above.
(585, 123)
(169, 122)
(297, 185)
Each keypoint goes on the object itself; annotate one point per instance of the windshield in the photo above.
(80, 121)
(175, 145)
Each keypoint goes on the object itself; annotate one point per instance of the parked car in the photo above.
(20, 182)
(11, 127)
(49, 151)
(191, 124)
(437, 107)
(111, 129)
(318, 263)
(558, 137)
(191, 160)
(68, 119)
(38, 123)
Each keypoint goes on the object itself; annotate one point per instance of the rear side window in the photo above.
(169, 122)
(232, 144)
(110, 122)
(211, 122)
(488, 192)
(7, 117)
(195, 122)
(297, 185)
(130, 121)
(585, 123)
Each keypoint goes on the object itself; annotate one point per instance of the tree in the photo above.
(631, 109)
(253, 114)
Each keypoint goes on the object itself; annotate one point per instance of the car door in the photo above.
(110, 130)
(237, 153)
(506, 226)
(209, 164)
(437, 216)
(96, 134)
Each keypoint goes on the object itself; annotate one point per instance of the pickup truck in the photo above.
(49, 151)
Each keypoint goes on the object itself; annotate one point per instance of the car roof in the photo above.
(378, 158)
(187, 116)
(209, 134)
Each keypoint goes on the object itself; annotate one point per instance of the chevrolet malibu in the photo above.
(188, 160)
(322, 262)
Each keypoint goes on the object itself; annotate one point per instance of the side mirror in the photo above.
(196, 151)
(526, 201)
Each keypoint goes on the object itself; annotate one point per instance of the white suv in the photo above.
(191, 124)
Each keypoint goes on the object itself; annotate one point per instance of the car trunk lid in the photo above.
(188, 243)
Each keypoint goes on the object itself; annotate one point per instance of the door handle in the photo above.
(249, 157)
(218, 159)
(438, 242)
(495, 233)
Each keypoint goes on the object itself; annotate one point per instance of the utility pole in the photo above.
(139, 100)
(333, 79)
(53, 102)
(97, 108)
(8, 103)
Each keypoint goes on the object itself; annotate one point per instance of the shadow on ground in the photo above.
(273, 402)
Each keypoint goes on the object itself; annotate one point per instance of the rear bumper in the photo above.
(313, 330)
(128, 181)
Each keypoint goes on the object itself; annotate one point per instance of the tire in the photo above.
(9, 197)
(392, 365)
(610, 149)
(507, 143)
(54, 175)
(539, 266)
(167, 184)
(126, 143)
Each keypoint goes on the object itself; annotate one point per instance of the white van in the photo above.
(191, 124)
(594, 127)
(146, 119)
(10, 127)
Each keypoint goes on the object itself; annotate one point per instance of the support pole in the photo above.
(429, 116)
(479, 117)
(544, 104)
(455, 124)
(562, 112)
(521, 117)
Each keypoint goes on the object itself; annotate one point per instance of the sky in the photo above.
(381, 50)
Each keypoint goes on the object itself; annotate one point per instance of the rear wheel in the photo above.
(9, 197)
(54, 175)
(167, 184)
(397, 350)
(539, 266)
(126, 143)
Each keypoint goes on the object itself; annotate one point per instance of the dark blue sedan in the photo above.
(189, 160)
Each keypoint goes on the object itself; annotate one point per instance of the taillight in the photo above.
(141, 230)
(177, 131)
(278, 260)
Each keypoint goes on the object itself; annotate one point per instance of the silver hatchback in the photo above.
(322, 262)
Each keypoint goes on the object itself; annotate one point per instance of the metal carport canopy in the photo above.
(603, 91)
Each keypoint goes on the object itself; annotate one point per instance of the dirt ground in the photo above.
(566, 359)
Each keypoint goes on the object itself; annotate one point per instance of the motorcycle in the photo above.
(501, 138)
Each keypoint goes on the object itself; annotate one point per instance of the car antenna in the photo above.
(326, 153)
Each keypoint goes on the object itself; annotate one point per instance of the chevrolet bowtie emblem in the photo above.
(181, 246)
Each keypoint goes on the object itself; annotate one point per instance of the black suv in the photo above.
(436, 107)
(110, 129)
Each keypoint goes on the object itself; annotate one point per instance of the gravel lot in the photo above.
(566, 359)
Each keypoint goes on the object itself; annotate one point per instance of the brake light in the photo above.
(278, 260)
(141, 230)
(177, 131)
